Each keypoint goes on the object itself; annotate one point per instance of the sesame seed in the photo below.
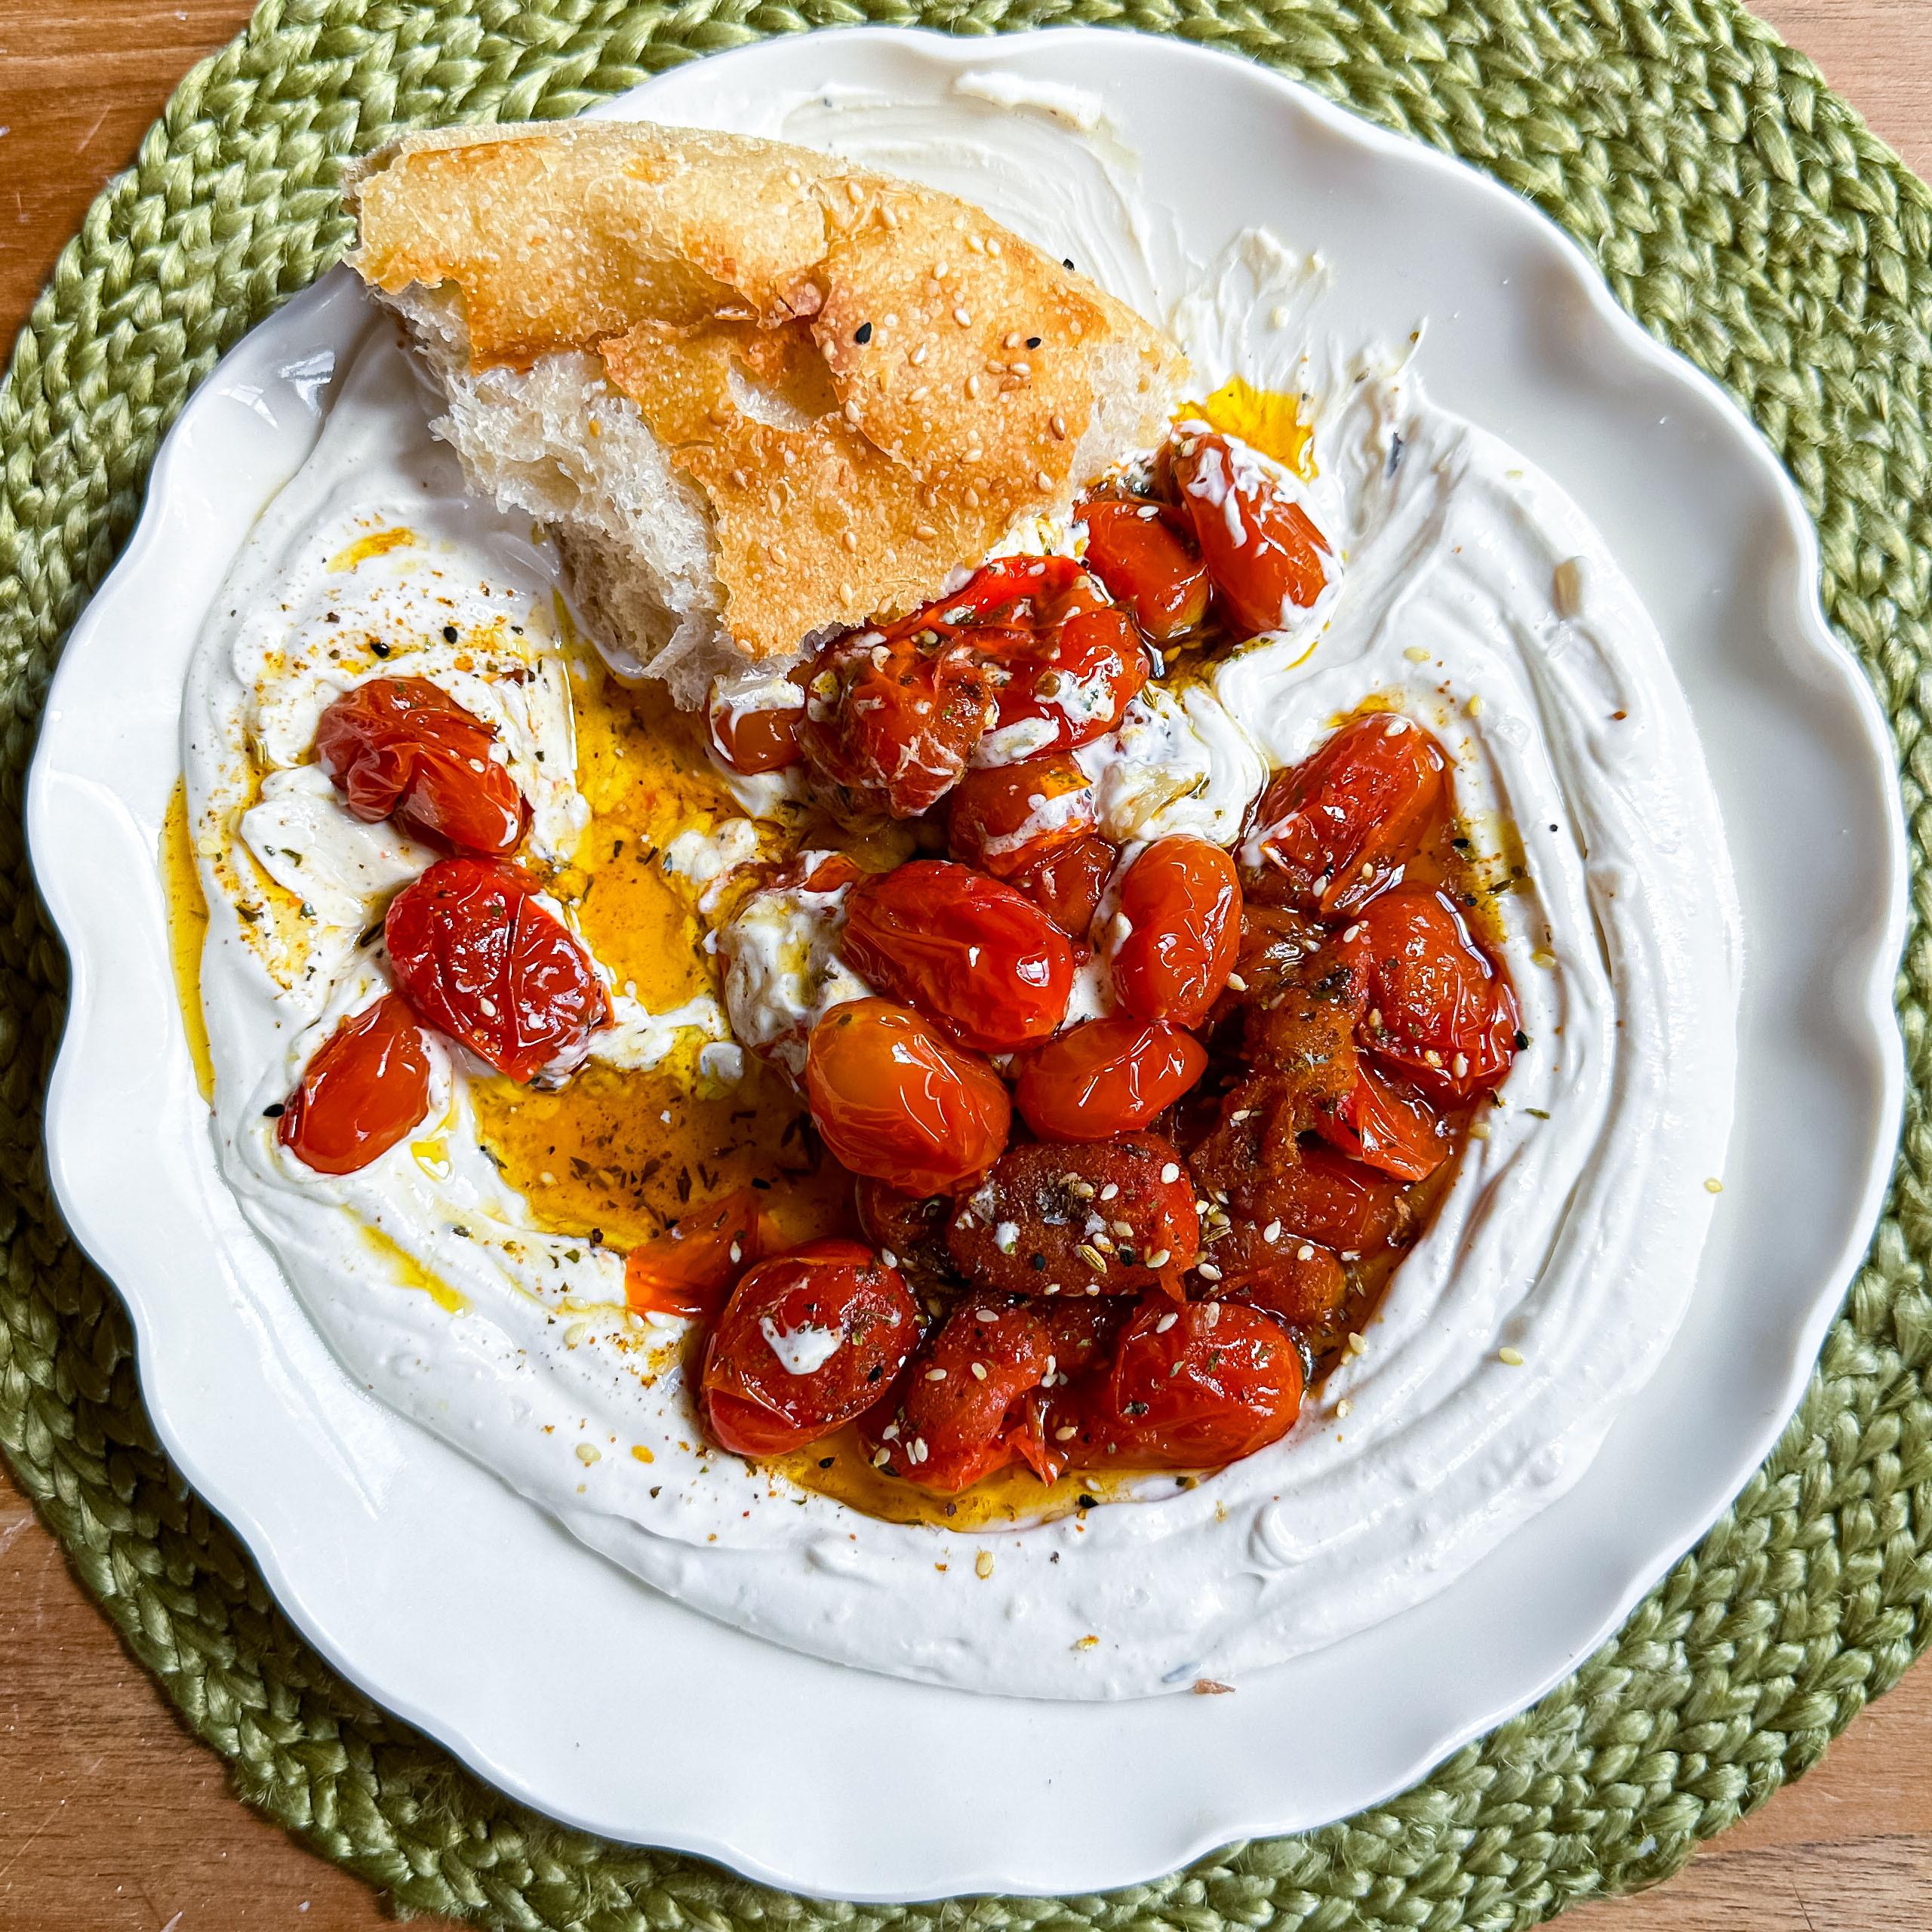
(1473, 707)
(935, 1375)
(979, 1371)
(1235, 980)
(1159, 1258)
(1057, 423)
(1272, 1232)
(1208, 1272)
(850, 539)
(918, 1450)
(588, 1452)
(1043, 479)
(1347, 936)
(1713, 1185)
(972, 387)
(1239, 1114)
(1416, 654)
(1509, 1357)
(881, 1458)
(1305, 1252)
(986, 1314)
(1011, 339)
(920, 354)
(1357, 1346)
(1459, 1066)
(992, 245)
(1166, 1322)
(960, 316)
(1343, 1407)
(1111, 1188)
(982, 1565)
(1065, 1432)
(1121, 1230)
(889, 1432)
(1171, 1174)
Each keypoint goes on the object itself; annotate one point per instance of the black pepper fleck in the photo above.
(449, 633)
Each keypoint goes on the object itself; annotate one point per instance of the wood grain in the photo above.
(113, 1819)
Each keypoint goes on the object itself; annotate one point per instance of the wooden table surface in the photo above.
(113, 1819)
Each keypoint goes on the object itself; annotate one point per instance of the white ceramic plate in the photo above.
(469, 1612)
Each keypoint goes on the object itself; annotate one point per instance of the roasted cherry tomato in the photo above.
(1195, 1385)
(1083, 1334)
(1264, 555)
(1080, 1218)
(1149, 562)
(1065, 687)
(892, 1099)
(1106, 1077)
(754, 722)
(979, 960)
(402, 748)
(960, 1409)
(908, 1229)
(1383, 1124)
(1007, 818)
(1177, 931)
(687, 1270)
(893, 723)
(1014, 595)
(1298, 1282)
(1335, 831)
(367, 1086)
(1335, 1201)
(805, 1344)
(1438, 1010)
(1304, 1030)
(478, 959)
(1067, 885)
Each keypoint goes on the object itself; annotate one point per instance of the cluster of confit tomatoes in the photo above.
(1111, 1243)
(1108, 1243)
(476, 956)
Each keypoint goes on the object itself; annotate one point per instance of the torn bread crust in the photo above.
(758, 395)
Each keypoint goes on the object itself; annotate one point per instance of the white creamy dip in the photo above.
(1473, 595)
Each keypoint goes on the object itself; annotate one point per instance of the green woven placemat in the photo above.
(1740, 210)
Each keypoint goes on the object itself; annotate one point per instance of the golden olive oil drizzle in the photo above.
(187, 932)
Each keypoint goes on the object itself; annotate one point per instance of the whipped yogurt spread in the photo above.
(1471, 595)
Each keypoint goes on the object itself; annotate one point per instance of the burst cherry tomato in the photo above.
(687, 1270)
(908, 1229)
(1299, 1283)
(1008, 818)
(759, 733)
(1179, 928)
(1195, 1385)
(805, 1344)
(1263, 552)
(478, 959)
(1013, 594)
(1140, 552)
(1067, 885)
(367, 1086)
(893, 1100)
(892, 723)
(1335, 831)
(1331, 1200)
(979, 960)
(1054, 1218)
(1383, 1124)
(961, 1408)
(1065, 687)
(1438, 1010)
(1106, 1077)
(402, 748)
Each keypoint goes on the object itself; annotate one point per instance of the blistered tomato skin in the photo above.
(979, 960)
(960, 1412)
(805, 1344)
(1106, 1077)
(893, 724)
(365, 1090)
(1196, 1384)
(1440, 1013)
(1067, 885)
(1148, 564)
(1007, 819)
(755, 739)
(893, 1100)
(1297, 1282)
(403, 749)
(1080, 1218)
(1178, 926)
(1382, 1123)
(1335, 830)
(478, 959)
(1072, 683)
(1267, 558)
(687, 1271)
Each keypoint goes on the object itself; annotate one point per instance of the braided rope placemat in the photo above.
(1740, 211)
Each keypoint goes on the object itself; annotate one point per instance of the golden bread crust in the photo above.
(725, 283)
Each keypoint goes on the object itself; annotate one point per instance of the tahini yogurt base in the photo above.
(1473, 596)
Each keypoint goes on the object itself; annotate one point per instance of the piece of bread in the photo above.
(757, 395)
